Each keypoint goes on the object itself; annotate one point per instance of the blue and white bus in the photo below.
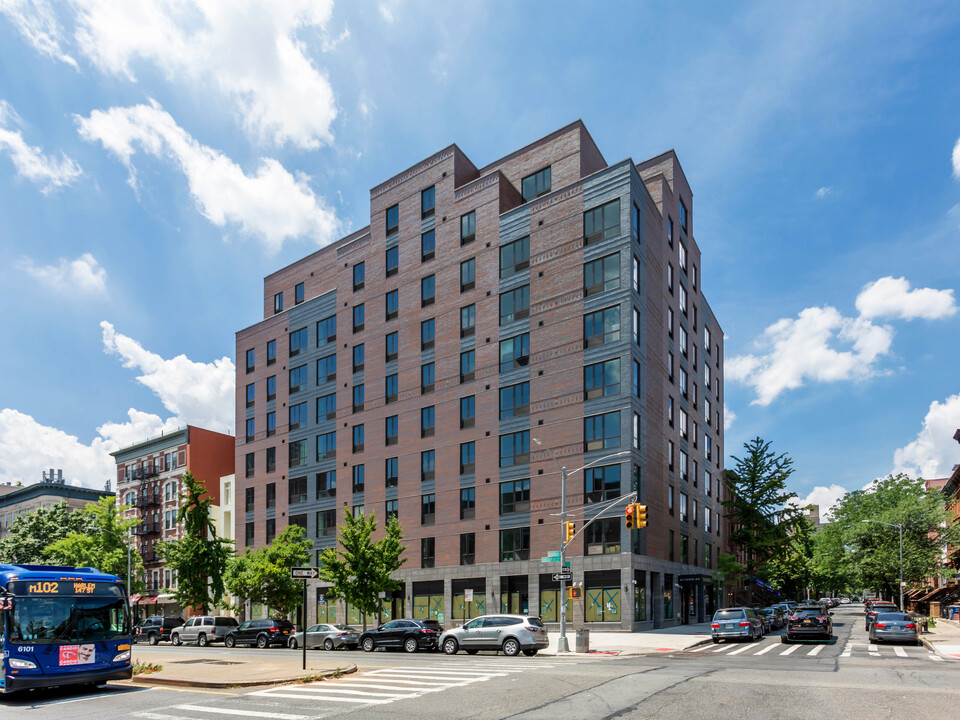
(62, 626)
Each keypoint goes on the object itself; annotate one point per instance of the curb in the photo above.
(174, 682)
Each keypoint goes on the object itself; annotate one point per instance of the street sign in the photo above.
(563, 576)
(304, 573)
(468, 595)
(381, 594)
(553, 556)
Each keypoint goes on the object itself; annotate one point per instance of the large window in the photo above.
(602, 378)
(515, 544)
(359, 317)
(428, 200)
(427, 334)
(468, 319)
(327, 484)
(392, 430)
(467, 366)
(428, 420)
(393, 260)
(359, 478)
(602, 223)
(359, 395)
(391, 388)
(601, 483)
(392, 345)
(468, 275)
(359, 275)
(515, 304)
(601, 275)
(515, 400)
(514, 496)
(326, 369)
(468, 548)
(298, 453)
(601, 431)
(298, 416)
(326, 446)
(428, 465)
(602, 326)
(515, 448)
(298, 341)
(427, 377)
(358, 438)
(298, 379)
(326, 523)
(468, 228)
(468, 411)
(468, 503)
(393, 219)
(297, 490)
(428, 246)
(514, 352)
(359, 357)
(428, 509)
(602, 537)
(514, 257)
(391, 472)
(533, 186)
(428, 552)
(327, 330)
(468, 457)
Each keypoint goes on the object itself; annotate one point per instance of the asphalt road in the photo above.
(842, 679)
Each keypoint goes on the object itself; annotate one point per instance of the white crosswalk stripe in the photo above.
(850, 649)
(900, 651)
(791, 649)
(816, 650)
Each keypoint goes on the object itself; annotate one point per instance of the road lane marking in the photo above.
(767, 649)
(330, 698)
(722, 648)
(935, 657)
(438, 672)
(790, 650)
(353, 691)
(245, 713)
(381, 678)
(900, 651)
(701, 648)
(161, 716)
(816, 651)
(743, 649)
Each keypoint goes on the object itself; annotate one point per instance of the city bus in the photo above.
(62, 626)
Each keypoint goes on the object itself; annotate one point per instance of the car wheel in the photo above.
(202, 640)
(530, 653)
(784, 639)
(511, 648)
(261, 641)
(230, 641)
(716, 641)
(176, 639)
(153, 640)
(293, 643)
(472, 652)
(410, 645)
(451, 646)
(368, 644)
(328, 644)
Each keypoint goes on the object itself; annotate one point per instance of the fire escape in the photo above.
(148, 500)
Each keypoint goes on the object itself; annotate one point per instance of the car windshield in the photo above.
(47, 621)
(728, 615)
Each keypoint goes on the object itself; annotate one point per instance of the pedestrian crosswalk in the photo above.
(386, 685)
(776, 648)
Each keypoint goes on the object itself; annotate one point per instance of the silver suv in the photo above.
(203, 630)
(511, 633)
(736, 622)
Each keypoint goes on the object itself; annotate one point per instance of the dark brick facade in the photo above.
(631, 577)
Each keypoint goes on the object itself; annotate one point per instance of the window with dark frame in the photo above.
(515, 544)
(249, 499)
(392, 304)
(327, 330)
(428, 419)
(427, 334)
(427, 378)
(515, 304)
(515, 400)
(467, 366)
(391, 472)
(515, 496)
(602, 223)
(601, 483)
(271, 459)
(297, 490)
(359, 316)
(298, 341)
(326, 523)
(468, 228)
(299, 294)
(683, 216)
(427, 291)
(601, 327)
(298, 379)
(601, 432)
(468, 275)
(428, 467)
(601, 379)
(271, 423)
(250, 464)
(326, 369)
(391, 390)
(428, 200)
(533, 186)
(515, 352)
(251, 394)
(271, 530)
(468, 503)
(359, 478)
(428, 550)
(251, 360)
(392, 429)
(358, 357)
(297, 453)
(602, 537)
(392, 346)
(514, 257)
(277, 303)
(391, 510)
(298, 416)
(515, 448)
(359, 393)
(326, 446)
(251, 429)
(468, 457)
(428, 509)
(359, 276)
(327, 484)
(428, 246)
(271, 352)
(468, 548)
(358, 438)
(468, 319)
(393, 260)
(393, 219)
(468, 411)
(271, 495)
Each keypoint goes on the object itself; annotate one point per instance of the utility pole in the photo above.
(562, 644)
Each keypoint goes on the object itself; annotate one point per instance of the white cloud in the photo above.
(892, 297)
(824, 191)
(196, 393)
(728, 417)
(37, 22)
(49, 172)
(826, 497)
(804, 350)
(83, 275)
(385, 12)
(934, 452)
(956, 159)
(272, 205)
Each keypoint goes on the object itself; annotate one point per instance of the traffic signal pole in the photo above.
(562, 645)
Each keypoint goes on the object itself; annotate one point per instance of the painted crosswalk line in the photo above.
(791, 649)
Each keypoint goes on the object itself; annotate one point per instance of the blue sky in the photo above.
(157, 159)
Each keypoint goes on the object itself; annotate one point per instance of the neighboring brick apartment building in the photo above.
(149, 481)
(410, 368)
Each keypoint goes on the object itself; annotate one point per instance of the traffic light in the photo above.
(569, 529)
(574, 593)
(630, 516)
(641, 515)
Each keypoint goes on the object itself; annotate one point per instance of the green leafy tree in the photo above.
(263, 576)
(31, 533)
(791, 568)
(757, 506)
(103, 544)
(362, 568)
(199, 557)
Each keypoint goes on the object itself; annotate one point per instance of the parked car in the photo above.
(808, 621)
(845, 601)
(157, 628)
(736, 622)
(329, 637)
(895, 626)
(262, 633)
(875, 609)
(868, 602)
(765, 621)
(411, 635)
(203, 630)
(775, 616)
(511, 633)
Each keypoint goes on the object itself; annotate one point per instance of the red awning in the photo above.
(148, 600)
(133, 599)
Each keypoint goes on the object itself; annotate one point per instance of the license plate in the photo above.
(806, 622)
(285, 632)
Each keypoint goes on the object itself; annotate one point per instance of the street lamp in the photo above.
(900, 528)
(562, 644)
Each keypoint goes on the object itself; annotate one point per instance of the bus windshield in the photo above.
(53, 620)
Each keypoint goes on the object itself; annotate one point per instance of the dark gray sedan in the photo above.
(895, 626)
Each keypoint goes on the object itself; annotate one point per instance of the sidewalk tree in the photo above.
(791, 568)
(363, 567)
(760, 518)
(30, 534)
(199, 557)
(263, 575)
(103, 544)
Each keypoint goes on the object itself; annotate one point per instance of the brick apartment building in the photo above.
(149, 481)
(489, 326)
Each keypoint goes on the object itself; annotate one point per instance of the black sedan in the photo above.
(411, 635)
(808, 621)
(261, 633)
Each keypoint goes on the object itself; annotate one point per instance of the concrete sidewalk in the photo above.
(195, 670)
(944, 639)
(639, 643)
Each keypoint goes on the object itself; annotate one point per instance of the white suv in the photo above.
(512, 634)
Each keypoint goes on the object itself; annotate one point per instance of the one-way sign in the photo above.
(304, 573)
(563, 576)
